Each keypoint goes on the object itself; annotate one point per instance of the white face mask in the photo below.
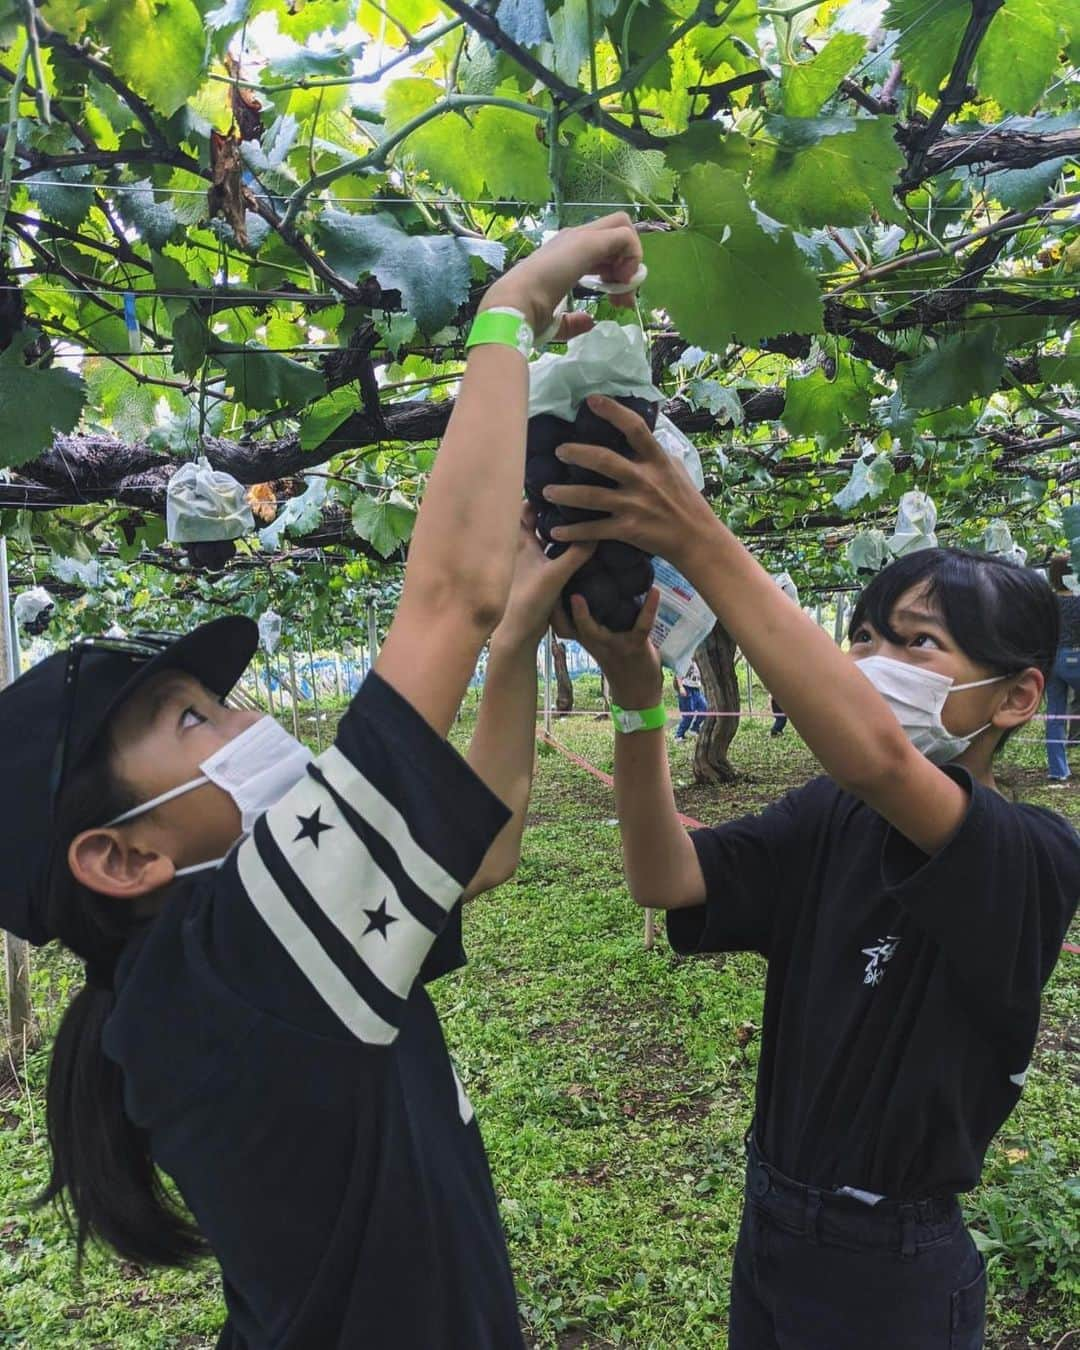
(917, 697)
(256, 768)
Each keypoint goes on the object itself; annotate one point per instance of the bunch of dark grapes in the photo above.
(617, 578)
(40, 622)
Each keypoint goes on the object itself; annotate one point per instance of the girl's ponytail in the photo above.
(103, 1174)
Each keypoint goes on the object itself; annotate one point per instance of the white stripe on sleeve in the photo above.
(349, 887)
(369, 802)
(298, 940)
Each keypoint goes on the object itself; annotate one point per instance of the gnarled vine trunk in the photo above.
(716, 661)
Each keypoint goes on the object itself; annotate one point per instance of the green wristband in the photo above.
(504, 326)
(644, 719)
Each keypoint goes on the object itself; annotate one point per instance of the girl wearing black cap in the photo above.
(910, 913)
(258, 928)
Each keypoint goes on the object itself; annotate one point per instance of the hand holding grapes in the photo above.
(538, 580)
(652, 503)
(629, 660)
(609, 247)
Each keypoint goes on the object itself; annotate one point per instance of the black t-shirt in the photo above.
(902, 999)
(278, 1044)
(1070, 620)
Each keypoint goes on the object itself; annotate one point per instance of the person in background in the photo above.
(1065, 677)
(779, 717)
(691, 702)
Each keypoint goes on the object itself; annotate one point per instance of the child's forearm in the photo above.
(837, 711)
(659, 860)
(502, 752)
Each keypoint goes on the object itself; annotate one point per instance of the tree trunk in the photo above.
(716, 661)
(564, 685)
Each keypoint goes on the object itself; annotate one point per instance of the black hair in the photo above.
(101, 1162)
(1056, 569)
(1001, 615)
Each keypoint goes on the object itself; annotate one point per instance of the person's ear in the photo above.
(1021, 703)
(105, 862)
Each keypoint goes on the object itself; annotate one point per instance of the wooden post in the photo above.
(547, 681)
(314, 691)
(372, 634)
(295, 694)
(269, 686)
(16, 949)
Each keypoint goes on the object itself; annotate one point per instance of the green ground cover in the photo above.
(613, 1086)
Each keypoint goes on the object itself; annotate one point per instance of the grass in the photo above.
(613, 1086)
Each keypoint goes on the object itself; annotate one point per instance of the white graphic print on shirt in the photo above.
(879, 956)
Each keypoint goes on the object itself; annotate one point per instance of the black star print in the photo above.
(378, 921)
(311, 827)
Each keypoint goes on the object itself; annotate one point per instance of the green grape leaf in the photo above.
(229, 16)
(1062, 367)
(323, 417)
(57, 195)
(929, 37)
(805, 87)
(1021, 189)
(35, 405)
(825, 408)
(190, 339)
(386, 525)
(723, 276)
(510, 158)
(66, 16)
(525, 21)
(826, 171)
(293, 61)
(708, 142)
(959, 367)
(1019, 54)
(155, 220)
(600, 169)
(263, 379)
(158, 47)
(432, 271)
(127, 406)
(442, 146)
(647, 33)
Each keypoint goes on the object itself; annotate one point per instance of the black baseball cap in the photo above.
(48, 722)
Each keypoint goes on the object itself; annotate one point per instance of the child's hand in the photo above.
(609, 247)
(655, 505)
(538, 580)
(629, 660)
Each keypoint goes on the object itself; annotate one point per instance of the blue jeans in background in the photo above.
(1066, 676)
(693, 701)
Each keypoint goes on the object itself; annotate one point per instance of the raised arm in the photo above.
(503, 747)
(462, 554)
(836, 710)
(661, 865)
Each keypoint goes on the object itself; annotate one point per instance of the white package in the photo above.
(30, 604)
(609, 359)
(915, 521)
(203, 504)
(269, 631)
(683, 619)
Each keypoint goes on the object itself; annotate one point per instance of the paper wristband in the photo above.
(505, 327)
(644, 719)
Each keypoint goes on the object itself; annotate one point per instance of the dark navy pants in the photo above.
(819, 1271)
